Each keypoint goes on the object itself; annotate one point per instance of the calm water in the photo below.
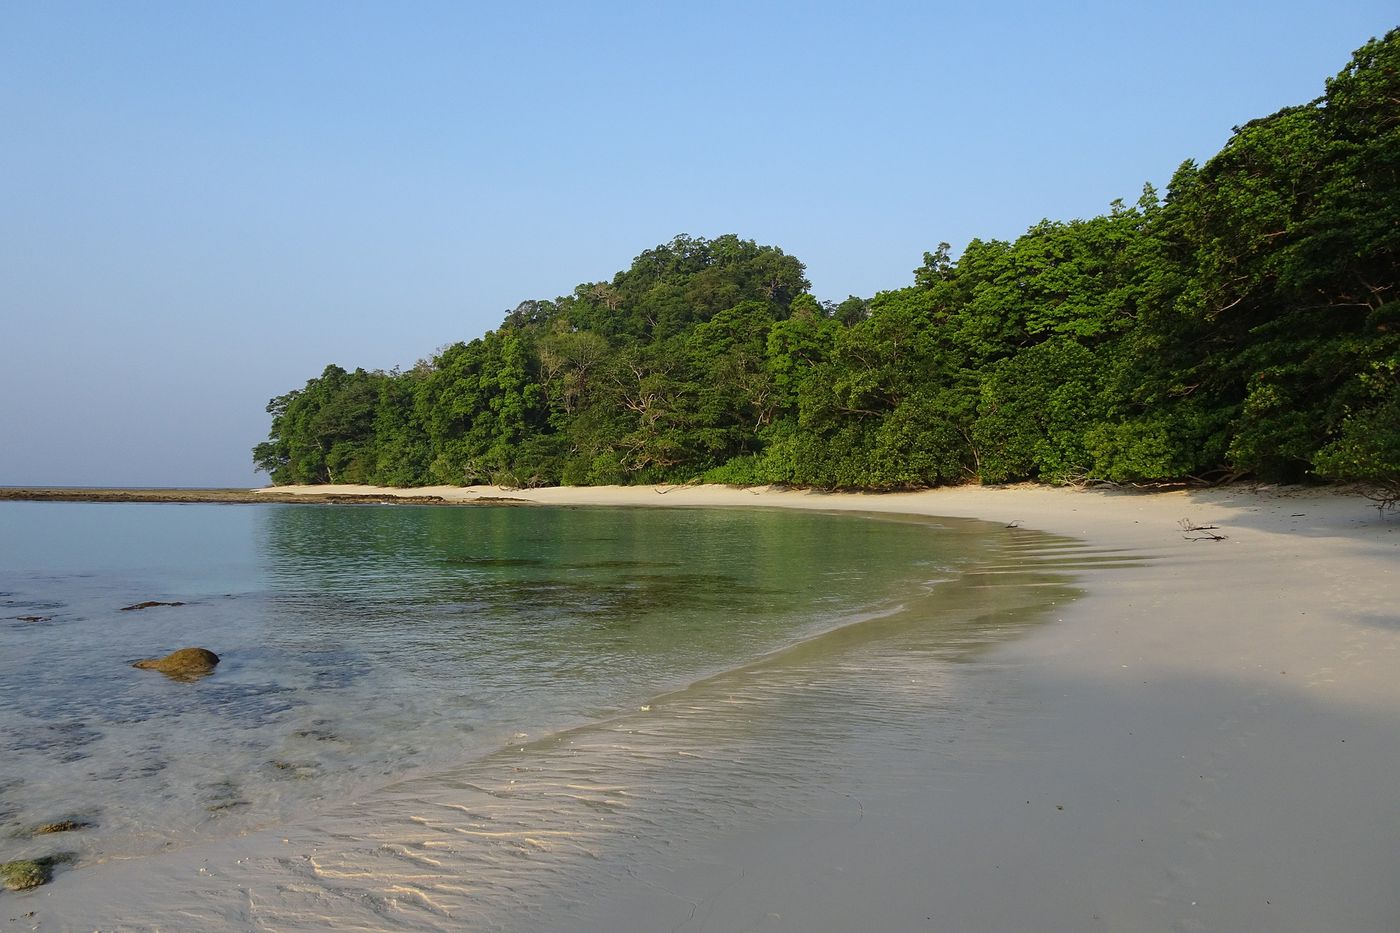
(363, 644)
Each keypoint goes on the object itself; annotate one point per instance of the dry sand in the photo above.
(1208, 739)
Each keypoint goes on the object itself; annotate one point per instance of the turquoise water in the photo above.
(363, 644)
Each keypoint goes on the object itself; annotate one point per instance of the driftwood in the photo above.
(1194, 532)
(1386, 496)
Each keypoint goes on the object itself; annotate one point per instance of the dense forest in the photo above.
(1246, 322)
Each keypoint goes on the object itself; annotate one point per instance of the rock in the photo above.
(147, 605)
(59, 826)
(25, 873)
(185, 664)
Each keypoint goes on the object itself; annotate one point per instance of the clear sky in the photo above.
(201, 205)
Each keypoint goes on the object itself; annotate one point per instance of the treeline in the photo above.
(1246, 323)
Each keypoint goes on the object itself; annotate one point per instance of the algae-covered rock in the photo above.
(25, 873)
(59, 826)
(185, 663)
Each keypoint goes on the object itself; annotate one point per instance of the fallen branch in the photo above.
(1386, 496)
(1200, 532)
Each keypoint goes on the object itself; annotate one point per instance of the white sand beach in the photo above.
(1207, 740)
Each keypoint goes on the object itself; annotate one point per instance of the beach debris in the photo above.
(184, 664)
(1194, 532)
(148, 604)
(25, 873)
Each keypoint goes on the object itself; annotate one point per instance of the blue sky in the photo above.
(201, 205)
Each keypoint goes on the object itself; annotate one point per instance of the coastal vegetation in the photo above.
(1244, 322)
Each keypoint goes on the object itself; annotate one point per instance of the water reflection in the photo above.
(358, 643)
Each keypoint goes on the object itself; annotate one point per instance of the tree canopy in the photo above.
(1246, 322)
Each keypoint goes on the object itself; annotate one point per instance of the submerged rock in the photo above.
(184, 663)
(59, 826)
(147, 605)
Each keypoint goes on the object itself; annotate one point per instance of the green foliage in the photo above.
(1367, 447)
(1288, 244)
(746, 470)
(1033, 411)
(1246, 322)
(1177, 442)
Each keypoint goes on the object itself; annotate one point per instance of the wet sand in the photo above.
(1205, 740)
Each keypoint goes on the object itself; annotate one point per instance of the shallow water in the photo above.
(363, 645)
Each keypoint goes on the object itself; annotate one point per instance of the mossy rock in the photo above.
(25, 873)
(185, 664)
(59, 826)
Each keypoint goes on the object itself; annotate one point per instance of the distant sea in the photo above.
(363, 644)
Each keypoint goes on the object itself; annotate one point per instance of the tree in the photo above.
(1246, 322)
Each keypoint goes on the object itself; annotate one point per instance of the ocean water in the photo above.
(366, 645)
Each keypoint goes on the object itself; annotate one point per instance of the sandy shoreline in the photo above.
(1206, 741)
